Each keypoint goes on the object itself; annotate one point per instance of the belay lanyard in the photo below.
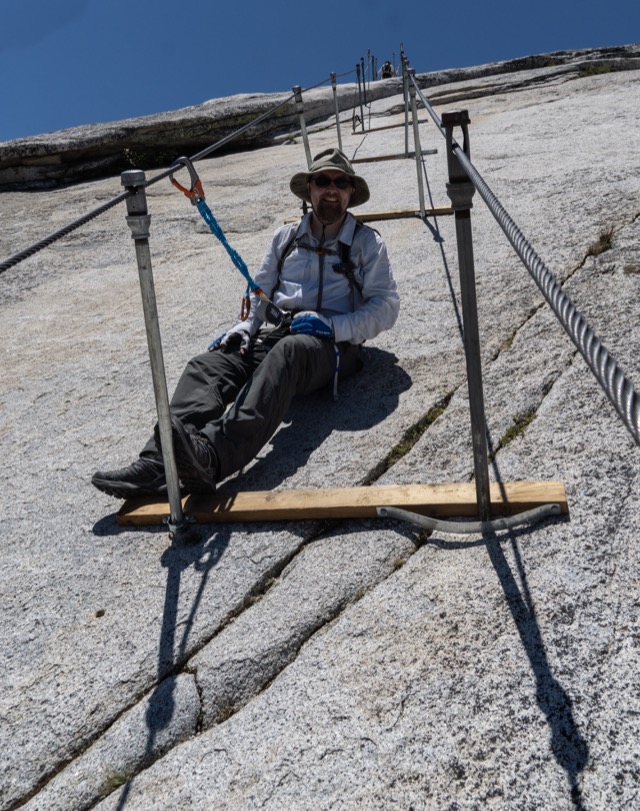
(196, 195)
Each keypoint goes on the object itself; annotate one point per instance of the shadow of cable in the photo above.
(176, 560)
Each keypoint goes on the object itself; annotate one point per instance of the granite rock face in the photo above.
(349, 664)
(99, 150)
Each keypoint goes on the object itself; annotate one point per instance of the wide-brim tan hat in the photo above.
(337, 161)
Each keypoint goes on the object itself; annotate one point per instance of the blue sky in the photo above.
(70, 62)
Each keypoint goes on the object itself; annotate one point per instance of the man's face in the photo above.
(328, 200)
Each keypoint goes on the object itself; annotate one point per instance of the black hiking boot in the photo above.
(144, 477)
(196, 460)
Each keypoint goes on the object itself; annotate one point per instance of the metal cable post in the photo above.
(364, 80)
(430, 110)
(460, 191)
(608, 373)
(138, 220)
(405, 92)
(360, 97)
(416, 142)
(297, 91)
(618, 388)
(337, 106)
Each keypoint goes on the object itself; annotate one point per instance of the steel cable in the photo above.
(471, 527)
(608, 373)
(44, 243)
(346, 73)
(222, 142)
(611, 377)
(605, 368)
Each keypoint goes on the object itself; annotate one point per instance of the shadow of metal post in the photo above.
(160, 712)
(567, 744)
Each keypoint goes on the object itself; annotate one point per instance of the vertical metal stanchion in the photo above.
(416, 140)
(460, 191)
(360, 97)
(138, 220)
(303, 124)
(364, 82)
(337, 106)
(405, 91)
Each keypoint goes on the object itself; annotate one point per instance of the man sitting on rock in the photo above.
(330, 281)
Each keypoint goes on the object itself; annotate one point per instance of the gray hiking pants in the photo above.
(259, 386)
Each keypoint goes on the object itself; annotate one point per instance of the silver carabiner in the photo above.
(196, 192)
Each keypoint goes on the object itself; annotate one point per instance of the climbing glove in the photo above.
(238, 337)
(309, 322)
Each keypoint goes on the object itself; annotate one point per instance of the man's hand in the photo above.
(312, 323)
(238, 337)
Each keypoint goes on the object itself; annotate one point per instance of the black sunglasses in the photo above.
(324, 181)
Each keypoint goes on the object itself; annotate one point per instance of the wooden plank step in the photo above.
(388, 127)
(438, 500)
(371, 216)
(398, 214)
(399, 156)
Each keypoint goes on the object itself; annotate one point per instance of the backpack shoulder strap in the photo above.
(289, 246)
(346, 266)
(360, 224)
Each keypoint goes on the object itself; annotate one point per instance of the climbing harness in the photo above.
(196, 195)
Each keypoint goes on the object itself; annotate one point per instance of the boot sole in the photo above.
(126, 490)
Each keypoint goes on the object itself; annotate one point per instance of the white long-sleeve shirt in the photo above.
(307, 281)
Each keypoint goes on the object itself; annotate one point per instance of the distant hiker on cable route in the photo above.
(387, 71)
(328, 287)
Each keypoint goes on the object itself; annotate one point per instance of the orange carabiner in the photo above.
(196, 192)
(245, 309)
